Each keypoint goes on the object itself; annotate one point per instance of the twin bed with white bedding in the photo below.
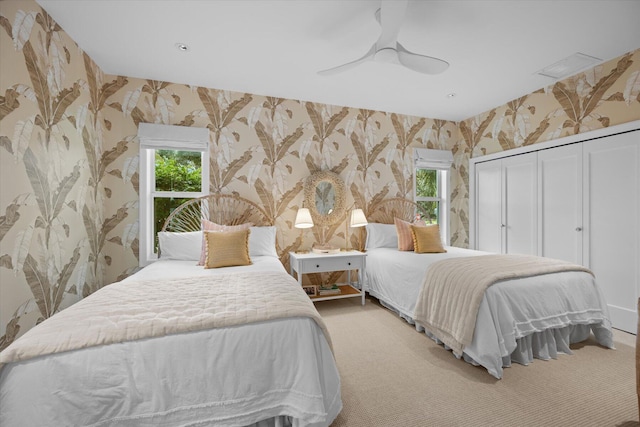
(178, 344)
(518, 319)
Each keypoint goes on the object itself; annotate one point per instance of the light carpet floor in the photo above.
(394, 376)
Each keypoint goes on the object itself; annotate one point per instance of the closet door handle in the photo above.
(578, 228)
(502, 225)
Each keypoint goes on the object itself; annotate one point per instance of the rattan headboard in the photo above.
(224, 209)
(388, 209)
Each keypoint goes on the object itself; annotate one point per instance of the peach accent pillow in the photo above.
(405, 237)
(212, 226)
(427, 239)
(227, 248)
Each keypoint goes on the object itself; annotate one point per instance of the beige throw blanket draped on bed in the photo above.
(127, 311)
(453, 289)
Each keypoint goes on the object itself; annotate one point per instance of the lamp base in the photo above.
(325, 249)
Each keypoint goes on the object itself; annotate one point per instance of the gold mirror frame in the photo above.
(310, 185)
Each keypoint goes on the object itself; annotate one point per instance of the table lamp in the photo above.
(357, 219)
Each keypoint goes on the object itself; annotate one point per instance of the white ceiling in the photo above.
(275, 48)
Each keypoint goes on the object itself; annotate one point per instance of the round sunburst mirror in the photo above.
(324, 195)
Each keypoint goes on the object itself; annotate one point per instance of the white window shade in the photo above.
(168, 137)
(426, 158)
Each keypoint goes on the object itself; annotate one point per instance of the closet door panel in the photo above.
(520, 204)
(612, 222)
(489, 206)
(560, 203)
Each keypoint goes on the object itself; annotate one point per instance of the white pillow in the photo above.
(262, 241)
(180, 246)
(381, 236)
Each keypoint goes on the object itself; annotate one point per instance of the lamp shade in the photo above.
(303, 219)
(357, 218)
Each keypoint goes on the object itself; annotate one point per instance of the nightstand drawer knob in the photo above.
(317, 265)
(348, 263)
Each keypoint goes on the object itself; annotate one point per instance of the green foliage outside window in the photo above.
(174, 171)
(426, 183)
(433, 211)
(427, 186)
(178, 170)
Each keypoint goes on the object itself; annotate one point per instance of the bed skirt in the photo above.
(544, 345)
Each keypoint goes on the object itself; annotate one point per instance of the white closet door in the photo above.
(520, 204)
(612, 222)
(560, 203)
(489, 206)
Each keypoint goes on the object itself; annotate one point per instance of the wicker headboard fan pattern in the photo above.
(223, 209)
(388, 209)
(231, 209)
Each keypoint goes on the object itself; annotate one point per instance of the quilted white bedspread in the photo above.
(279, 370)
(126, 311)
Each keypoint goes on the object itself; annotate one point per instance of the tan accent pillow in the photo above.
(212, 226)
(227, 248)
(427, 239)
(405, 237)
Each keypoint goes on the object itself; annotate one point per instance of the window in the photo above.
(431, 184)
(174, 167)
(429, 193)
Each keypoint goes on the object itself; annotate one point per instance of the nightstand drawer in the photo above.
(331, 264)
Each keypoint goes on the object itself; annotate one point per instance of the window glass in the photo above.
(178, 170)
(432, 210)
(426, 183)
(428, 194)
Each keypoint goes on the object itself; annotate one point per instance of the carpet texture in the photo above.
(394, 376)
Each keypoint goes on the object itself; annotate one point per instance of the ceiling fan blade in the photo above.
(391, 16)
(420, 63)
(344, 67)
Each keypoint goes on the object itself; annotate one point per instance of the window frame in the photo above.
(148, 194)
(440, 161)
(442, 198)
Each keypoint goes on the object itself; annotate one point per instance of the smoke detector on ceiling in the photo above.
(182, 47)
(569, 66)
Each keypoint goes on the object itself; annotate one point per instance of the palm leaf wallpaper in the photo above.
(69, 156)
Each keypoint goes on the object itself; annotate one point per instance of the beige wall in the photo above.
(262, 148)
(46, 179)
(606, 95)
(69, 160)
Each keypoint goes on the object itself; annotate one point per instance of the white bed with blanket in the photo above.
(178, 344)
(518, 319)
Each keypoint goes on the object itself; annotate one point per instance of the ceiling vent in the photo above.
(569, 66)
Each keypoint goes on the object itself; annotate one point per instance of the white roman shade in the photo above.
(168, 137)
(427, 158)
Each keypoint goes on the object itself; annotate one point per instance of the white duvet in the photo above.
(209, 377)
(518, 319)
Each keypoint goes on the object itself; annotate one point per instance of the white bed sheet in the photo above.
(167, 381)
(518, 319)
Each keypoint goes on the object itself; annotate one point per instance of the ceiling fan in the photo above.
(387, 49)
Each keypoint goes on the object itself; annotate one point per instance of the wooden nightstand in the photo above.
(319, 263)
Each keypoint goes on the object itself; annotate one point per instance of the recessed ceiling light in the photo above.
(451, 95)
(569, 66)
(182, 47)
